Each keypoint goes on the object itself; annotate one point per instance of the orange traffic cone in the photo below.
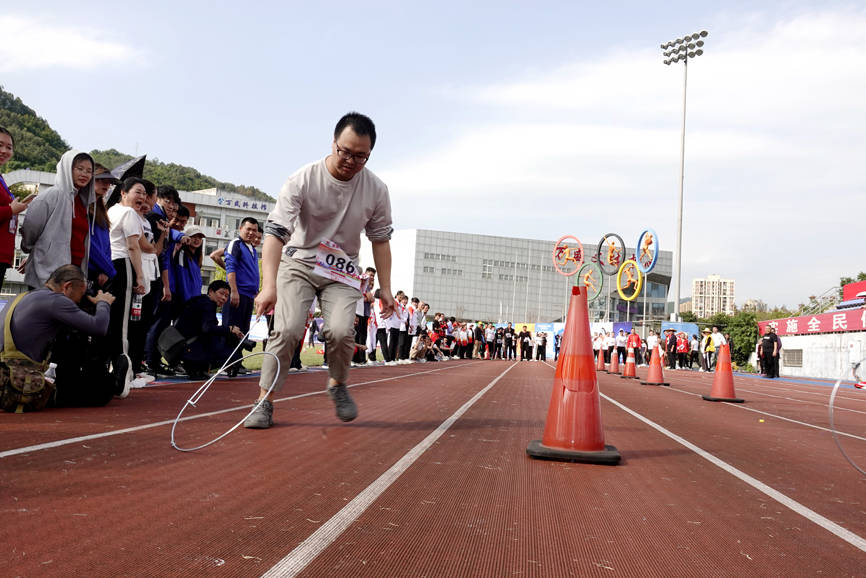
(573, 430)
(614, 361)
(655, 376)
(599, 364)
(723, 379)
(630, 372)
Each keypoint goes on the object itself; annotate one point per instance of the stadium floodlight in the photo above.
(683, 50)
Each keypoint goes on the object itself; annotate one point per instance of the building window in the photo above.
(429, 270)
(792, 357)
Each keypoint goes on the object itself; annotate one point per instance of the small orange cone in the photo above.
(573, 430)
(655, 376)
(723, 379)
(630, 372)
(614, 361)
(599, 364)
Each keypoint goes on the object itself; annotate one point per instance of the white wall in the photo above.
(827, 356)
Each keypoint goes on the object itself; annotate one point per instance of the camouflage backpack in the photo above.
(22, 380)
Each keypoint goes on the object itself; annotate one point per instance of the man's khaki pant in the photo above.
(297, 285)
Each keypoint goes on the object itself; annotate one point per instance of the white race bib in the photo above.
(333, 263)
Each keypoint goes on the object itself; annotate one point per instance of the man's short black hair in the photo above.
(130, 182)
(252, 220)
(182, 211)
(217, 285)
(168, 192)
(362, 125)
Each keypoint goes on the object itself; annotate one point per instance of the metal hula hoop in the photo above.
(195, 397)
(833, 424)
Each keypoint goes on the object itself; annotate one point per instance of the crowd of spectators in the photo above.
(126, 246)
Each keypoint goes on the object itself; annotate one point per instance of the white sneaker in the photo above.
(145, 378)
(138, 383)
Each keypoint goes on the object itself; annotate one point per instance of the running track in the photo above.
(432, 480)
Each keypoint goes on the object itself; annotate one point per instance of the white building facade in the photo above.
(489, 278)
(712, 295)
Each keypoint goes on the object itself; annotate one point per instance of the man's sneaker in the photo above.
(346, 408)
(122, 369)
(262, 417)
(860, 385)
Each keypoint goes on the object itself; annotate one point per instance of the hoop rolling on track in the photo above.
(199, 393)
(833, 424)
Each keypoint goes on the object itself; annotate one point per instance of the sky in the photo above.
(525, 119)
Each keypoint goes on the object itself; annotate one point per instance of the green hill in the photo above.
(39, 147)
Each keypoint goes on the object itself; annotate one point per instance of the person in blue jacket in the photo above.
(208, 343)
(100, 269)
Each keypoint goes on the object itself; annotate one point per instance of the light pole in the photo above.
(681, 50)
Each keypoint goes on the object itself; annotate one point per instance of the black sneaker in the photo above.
(122, 369)
(159, 368)
(262, 417)
(346, 408)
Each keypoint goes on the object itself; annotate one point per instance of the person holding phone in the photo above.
(9, 208)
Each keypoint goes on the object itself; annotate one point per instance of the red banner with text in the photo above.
(851, 320)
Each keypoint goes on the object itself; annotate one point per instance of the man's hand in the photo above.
(265, 300)
(236, 299)
(166, 293)
(101, 296)
(139, 289)
(236, 331)
(387, 304)
(101, 279)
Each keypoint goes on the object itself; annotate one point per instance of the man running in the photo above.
(312, 240)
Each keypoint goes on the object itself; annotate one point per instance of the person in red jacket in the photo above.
(9, 208)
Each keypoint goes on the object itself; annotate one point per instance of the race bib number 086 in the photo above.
(333, 263)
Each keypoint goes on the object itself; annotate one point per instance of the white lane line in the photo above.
(75, 440)
(809, 514)
(773, 415)
(306, 551)
(805, 401)
(797, 507)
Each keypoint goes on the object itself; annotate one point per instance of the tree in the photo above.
(743, 328)
(689, 317)
(861, 276)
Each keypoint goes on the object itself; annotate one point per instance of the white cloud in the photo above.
(30, 43)
(774, 154)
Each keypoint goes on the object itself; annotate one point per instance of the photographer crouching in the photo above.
(33, 326)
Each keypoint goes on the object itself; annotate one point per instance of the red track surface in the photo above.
(473, 504)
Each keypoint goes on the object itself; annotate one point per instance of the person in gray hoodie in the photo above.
(56, 229)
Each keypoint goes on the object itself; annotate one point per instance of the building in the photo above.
(481, 277)
(755, 305)
(712, 295)
(217, 212)
(685, 305)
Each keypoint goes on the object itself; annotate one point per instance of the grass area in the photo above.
(309, 357)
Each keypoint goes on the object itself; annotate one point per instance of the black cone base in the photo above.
(649, 383)
(728, 399)
(608, 456)
(629, 377)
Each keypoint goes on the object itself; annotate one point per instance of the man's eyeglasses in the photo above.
(347, 155)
